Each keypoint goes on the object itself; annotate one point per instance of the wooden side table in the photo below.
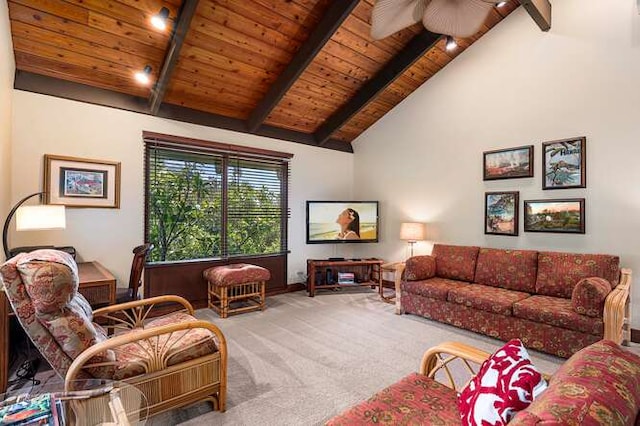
(397, 268)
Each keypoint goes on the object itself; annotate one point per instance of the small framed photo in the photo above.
(509, 163)
(564, 216)
(564, 164)
(79, 182)
(501, 213)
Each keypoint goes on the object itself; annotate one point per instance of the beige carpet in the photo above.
(304, 360)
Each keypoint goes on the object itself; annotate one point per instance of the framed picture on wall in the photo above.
(509, 163)
(79, 182)
(501, 213)
(564, 216)
(564, 164)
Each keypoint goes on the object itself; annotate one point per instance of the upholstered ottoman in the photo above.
(238, 282)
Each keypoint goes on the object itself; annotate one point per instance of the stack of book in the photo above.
(45, 410)
(346, 278)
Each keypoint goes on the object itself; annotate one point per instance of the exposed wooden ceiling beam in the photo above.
(37, 83)
(330, 22)
(540, 11)
(183, 22)
(396, 66)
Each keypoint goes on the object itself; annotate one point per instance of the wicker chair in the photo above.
(175, 360)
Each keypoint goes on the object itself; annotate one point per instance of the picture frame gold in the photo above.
(81, 182)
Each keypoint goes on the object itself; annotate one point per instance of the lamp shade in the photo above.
(30, 218)
(412, 231)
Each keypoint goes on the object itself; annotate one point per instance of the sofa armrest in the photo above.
(148, 335)
(129, 315)
(616, 310)
(441, 356)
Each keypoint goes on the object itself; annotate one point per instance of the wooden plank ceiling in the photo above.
(233, 52)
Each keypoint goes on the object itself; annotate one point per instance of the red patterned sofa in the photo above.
(554, 302)
(599, 385)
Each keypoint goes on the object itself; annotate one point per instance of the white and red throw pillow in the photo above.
(506, 383)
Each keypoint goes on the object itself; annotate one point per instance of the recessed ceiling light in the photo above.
(160, 19)
(144, 76)
(451, 43)
(501, 3)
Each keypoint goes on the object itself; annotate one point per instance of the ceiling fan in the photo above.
(458, 18)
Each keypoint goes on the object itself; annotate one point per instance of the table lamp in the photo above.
(31, 218)
(412, 232)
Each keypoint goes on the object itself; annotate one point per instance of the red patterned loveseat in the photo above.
(554, 302)
(599, 385)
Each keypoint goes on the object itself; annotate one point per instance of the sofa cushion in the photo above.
(599, 385)
(510, 269)
(506, 383)
(414, 400)
(455, 262)
(178, 347)
(557, 312)
(23, 307)
(486, 298)
(420, 268)
(589, 295)
(236, 274)
(558, 273)
(435, 288)
(51, 280)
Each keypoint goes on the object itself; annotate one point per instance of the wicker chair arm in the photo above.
(144, 302)
(616, 309)
(439, 358)
(433, 359)
(117, 341)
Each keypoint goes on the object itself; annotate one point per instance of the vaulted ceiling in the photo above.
(302, 70)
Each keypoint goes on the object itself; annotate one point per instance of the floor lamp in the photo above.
(31, 218)
(412, 232)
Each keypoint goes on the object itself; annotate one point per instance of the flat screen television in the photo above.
(342, 222)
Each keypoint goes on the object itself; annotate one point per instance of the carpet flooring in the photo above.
(304, 360)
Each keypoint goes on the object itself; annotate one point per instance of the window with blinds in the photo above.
(214, 201)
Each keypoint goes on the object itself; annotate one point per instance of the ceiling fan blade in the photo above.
(459, 18)
(390, 16)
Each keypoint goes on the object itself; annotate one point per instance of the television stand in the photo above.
(323, 274)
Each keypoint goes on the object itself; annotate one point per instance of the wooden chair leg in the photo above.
(263, 304)
(224, 302)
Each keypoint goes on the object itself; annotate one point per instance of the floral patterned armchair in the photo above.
(174, 360)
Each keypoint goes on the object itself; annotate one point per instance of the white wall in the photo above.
(49, 125)
(517, 86)
(7, 68)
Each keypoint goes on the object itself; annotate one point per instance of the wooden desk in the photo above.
(96, 284)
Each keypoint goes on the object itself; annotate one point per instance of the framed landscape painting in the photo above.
(78, 182)
(565, 216)
(501, 213)
(508, 163)
(564, 164)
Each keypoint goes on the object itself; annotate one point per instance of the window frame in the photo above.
(226, 152)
